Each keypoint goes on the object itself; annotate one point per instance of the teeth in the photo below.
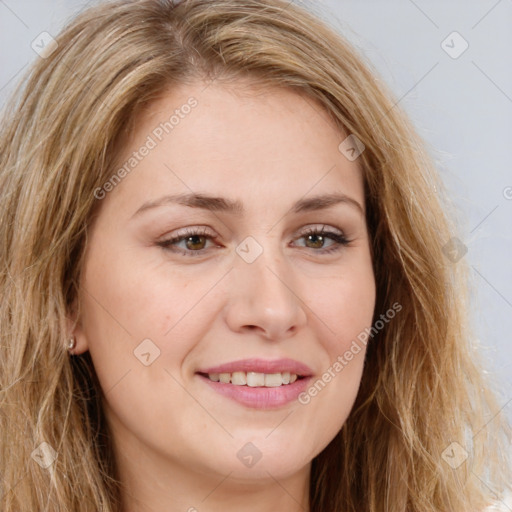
(254, 379)
(225, 377)
(238, 378)
(273, 380)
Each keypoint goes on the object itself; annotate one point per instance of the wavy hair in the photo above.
(422, 387)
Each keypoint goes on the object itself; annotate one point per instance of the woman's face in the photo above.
(244, 183)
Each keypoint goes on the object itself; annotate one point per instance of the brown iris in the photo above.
(193, 241)
(318, 240)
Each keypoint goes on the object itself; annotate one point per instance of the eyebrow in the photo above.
(221, 204)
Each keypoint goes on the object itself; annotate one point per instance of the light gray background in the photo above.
(462, 107)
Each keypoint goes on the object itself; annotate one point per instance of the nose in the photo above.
(265, 298)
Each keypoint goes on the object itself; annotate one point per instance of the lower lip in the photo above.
(260, 397)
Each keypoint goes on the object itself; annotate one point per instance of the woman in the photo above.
(223, 278)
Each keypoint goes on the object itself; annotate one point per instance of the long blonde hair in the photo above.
(422, 388)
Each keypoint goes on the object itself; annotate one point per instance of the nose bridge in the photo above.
(266, 281)
(264, 294)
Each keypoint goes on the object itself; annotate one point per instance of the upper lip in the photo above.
(262, 366)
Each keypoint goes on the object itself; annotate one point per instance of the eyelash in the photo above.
(339, 239)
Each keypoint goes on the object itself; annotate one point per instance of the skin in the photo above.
(176, 440)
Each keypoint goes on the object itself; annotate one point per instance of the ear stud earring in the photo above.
(71, 343)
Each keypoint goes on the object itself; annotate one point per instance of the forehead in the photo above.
(234, 138)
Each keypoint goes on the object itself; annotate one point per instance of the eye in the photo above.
(193, 242)
(316, 239)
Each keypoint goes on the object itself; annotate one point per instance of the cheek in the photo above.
(132, 301)
(137, 297)
(347, 307)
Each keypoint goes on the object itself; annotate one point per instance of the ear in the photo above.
(75, 328)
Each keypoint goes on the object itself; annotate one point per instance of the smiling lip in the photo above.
(260, 397)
